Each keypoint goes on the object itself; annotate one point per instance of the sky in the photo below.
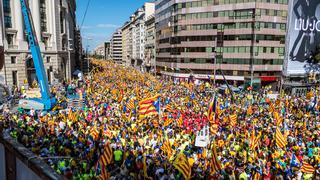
(103, 18)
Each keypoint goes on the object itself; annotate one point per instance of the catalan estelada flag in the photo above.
(167, 122)
(307, 168)
(182, 165)
(107, 155)
(102, 172)
(130, 104)
(166, 147)
(254, 140)
(180, 121)
(149, 106)
(281, 141)
(94, 133)
(212, 110)
(233, 120)
(215, 163)
(169, 108)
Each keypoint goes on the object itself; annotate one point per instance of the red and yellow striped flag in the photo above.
(147, 108)
(167, 122)
(215, 163)
(107, 156)
(155, 123)
(281, 141)
(94, 133)
(130, 104)
(254, 140)
(214, 128)
(167, 148)
(277, 118)
(180, 121)
(307, 168)
(169, 108)
(233, 120)
(182, 165)
(271, 108)
(145, 172)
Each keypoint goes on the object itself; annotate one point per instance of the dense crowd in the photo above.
(243, 130)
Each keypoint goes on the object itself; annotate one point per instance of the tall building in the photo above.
(55, 28)
(79, 59)
(99, 50)
(116, 46)
(133, 37)
(242, 35)
(107, 50)
(150, 44)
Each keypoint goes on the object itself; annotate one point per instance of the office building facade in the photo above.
(236, 36)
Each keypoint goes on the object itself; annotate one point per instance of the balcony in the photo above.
(12, 46)
(48, 48)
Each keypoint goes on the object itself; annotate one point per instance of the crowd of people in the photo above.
(251, 136)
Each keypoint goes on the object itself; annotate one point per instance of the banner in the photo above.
(303, 37)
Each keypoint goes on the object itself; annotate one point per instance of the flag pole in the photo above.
(215, 71)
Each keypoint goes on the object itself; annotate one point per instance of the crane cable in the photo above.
(85, 14)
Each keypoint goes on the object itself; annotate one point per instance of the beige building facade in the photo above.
(133, 37)
(55, 27)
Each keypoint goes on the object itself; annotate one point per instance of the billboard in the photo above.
(303, 37)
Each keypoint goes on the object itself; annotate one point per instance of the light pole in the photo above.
(87, 53)
(69, 56)
(215, 69)
(253, 13)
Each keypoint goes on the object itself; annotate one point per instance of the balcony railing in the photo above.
(48, 48)
(12, 46)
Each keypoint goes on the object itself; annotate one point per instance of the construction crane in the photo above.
(47, 101)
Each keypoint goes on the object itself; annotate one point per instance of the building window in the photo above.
(10, 40)
(62, 21)
(48, 59)
(43, 16)
(13, 59)
(7, 14)
(15, 78)
(6, 6)
(7, 21)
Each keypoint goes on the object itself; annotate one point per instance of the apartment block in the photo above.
(116, 46)
(133, 37)
(237, 37)
(150, 44)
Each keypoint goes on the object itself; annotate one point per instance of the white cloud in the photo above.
(108, 26)
(87, 27)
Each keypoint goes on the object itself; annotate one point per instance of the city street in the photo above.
(160, 89)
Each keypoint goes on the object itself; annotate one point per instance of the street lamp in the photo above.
(253, 14)
(215, 69)
(87, 53)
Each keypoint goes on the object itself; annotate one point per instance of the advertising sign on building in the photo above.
(303, 37)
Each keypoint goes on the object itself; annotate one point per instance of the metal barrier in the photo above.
(17, 162)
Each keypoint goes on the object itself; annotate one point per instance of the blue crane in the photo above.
(47, 102)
